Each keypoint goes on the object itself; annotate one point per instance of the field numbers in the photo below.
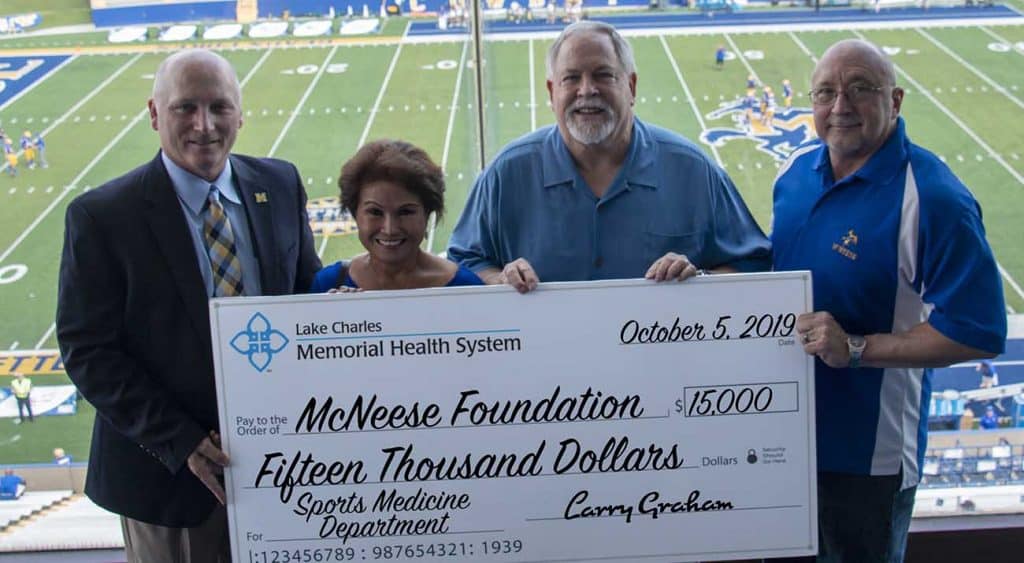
(12, 273)
(751, 55)
(333, 68)
(1000, 47)
(446, 64)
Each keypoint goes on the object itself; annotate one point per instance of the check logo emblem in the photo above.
(259, 342)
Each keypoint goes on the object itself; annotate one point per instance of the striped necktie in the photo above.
(220, 245)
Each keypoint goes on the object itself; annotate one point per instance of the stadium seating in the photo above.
(997, 463)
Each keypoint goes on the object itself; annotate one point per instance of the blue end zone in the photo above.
(664, 20)
(18, 73)
(216, 10)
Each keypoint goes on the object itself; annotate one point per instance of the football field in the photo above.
(314, 105)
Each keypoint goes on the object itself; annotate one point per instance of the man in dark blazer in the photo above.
(138, 267)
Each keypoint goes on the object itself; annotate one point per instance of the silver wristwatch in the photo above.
(856, 344)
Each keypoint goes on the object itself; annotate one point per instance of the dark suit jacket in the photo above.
(134, 330)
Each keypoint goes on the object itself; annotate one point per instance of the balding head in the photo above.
(197, 109)
(172, 67)
(865, 51)
(856, 103)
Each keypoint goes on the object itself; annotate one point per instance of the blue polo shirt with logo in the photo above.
(532, 202)
(897, 243)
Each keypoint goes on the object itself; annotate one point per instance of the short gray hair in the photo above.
(622, 48)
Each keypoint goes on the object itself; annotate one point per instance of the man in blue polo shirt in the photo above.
(602, 195)
(904, 280)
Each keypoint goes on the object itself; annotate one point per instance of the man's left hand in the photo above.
(207, 462)
(671, 266)
(821, 336)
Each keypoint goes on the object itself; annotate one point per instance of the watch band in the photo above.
(856, 345)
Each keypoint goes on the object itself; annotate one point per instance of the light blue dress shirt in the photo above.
(531, 202)
(192, 192)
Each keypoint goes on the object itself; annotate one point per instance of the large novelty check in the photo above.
(611, 421)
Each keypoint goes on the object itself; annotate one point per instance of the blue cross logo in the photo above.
(259, 342)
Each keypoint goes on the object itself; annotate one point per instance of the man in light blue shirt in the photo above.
(602, 195)
(143, 254)
(192, 193)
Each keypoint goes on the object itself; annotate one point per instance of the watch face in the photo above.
(857, 343)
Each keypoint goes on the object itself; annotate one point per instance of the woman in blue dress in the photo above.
(391, 188)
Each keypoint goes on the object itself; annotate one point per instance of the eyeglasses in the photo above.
(857, 93)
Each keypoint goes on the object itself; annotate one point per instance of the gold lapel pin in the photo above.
(261, 197)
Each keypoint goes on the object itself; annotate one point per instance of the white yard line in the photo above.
(255, 67)
(689, 96)
(992, 153)
(1010, 281)
(998, 88)
(82, 102)
(1014, 8)
(920, 88)
(533, 92)
(383, 88)
(41, 79)
(323, 246)
(53, 326)
(448, 136)
(803, 47)
(369, 118)
(998, 37)
(739, 55)
(70, 187)
(46, 336)
(302, 101)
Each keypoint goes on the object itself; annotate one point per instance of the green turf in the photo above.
(55, 13)
(317, 120)
(34, 441)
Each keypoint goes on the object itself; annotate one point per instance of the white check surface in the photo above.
(478, 424)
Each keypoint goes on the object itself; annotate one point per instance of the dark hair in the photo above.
(394, 161)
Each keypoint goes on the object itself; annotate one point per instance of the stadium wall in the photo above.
(276, 8)
(225, 10)
(164, 13)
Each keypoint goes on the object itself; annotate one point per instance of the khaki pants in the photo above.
(206, 543)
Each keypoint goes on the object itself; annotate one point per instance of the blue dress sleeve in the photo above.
(465, 276)
(326, 278)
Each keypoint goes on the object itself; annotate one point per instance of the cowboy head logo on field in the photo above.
(777, 134)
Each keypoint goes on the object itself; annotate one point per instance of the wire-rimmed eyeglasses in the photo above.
(826, 95)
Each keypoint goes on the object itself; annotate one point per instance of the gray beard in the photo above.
(591, 134)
